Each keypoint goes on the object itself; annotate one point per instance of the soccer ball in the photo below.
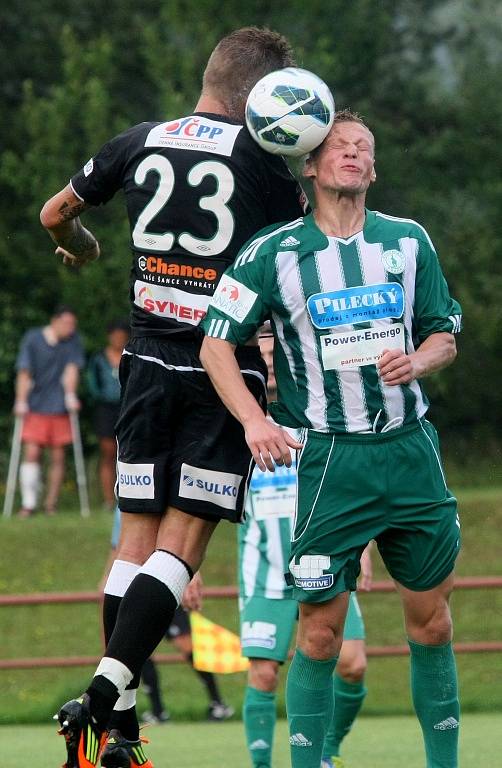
(290, 111)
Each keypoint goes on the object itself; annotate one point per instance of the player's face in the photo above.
(267, 351)
(65, 325)
(346, 160)
(118, 339)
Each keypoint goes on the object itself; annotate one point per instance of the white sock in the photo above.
(121, 574)
(126, 701)
(29, 481)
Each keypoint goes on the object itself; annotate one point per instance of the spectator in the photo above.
(104, 387)
(48, 368)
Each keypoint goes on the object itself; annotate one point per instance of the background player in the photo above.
(48, 371)
(268, 611)
(360, 311)
(196, 189)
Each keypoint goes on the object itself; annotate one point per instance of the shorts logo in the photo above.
(233, 298)
(356, 305)
(394, 261)
(89, 167)
(220, 488)
(260, 634)
(309, 572)
(135, 481)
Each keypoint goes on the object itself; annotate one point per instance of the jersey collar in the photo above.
(320, 239)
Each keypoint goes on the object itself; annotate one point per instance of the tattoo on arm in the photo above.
(68, 212)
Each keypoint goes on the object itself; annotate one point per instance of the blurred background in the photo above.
(426, 76)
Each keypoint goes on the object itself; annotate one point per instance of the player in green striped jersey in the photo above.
(268, 611)
(360, 312)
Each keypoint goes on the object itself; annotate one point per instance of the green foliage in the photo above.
(425, 73)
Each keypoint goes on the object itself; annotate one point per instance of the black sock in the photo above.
(209, 682)
(146, 611)
(111, 605)
(126, 721)
(103, 695)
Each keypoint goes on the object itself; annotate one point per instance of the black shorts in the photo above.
(180, 625)
(177, 443)
(105, 418)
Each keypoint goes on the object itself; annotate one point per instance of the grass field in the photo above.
(67, 553)
(387, 742)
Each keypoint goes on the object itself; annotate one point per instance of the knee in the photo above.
(433, 629)
(353, 669)
(264, 675)
(319, 641)
(134, 550)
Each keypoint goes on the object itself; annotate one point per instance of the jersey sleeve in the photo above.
(24, 361)
(102, 175)
(435, 311)
(285, 199)
(239, 305)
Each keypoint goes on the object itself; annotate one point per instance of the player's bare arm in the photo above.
(436, 352)
(60, 217)
(268, 442)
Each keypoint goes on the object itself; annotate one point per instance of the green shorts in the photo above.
(386, 486)
(267, 626)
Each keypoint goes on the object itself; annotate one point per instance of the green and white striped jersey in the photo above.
(335, 304)
(265, 535)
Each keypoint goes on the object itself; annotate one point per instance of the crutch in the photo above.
(78, 456)
(15, 453)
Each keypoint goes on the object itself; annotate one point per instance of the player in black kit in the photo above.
(196, 188)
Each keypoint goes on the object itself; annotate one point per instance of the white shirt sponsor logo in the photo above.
(172, 303)
(233, 298)
(220, 488)
(89, 167)
(195, 133)
(135, 481)
(349, 350)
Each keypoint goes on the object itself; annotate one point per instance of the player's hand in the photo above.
(20, 408)
(192, 596)
(366, 577)
(396, 367)
(269, 444)
(90, 252)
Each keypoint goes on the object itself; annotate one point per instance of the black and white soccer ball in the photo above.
(290, 112)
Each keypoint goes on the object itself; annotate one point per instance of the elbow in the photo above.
(47, 216)
(452, 349)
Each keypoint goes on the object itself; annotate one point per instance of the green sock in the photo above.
(259, 715)
(309, 702)
(348, 701)
(435, 697)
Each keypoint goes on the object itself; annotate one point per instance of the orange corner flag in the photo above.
(215, 649)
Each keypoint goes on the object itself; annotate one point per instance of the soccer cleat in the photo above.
(326, 762)
(218, 712)
(121, 753)
(84, 740)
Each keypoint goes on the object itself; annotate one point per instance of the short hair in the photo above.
(63, 309)
(241, 59)
(119, 324)
(343, 116)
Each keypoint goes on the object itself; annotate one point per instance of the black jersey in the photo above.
(196, 190)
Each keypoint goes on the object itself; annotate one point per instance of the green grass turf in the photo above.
(386, 742)
(67, 553)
